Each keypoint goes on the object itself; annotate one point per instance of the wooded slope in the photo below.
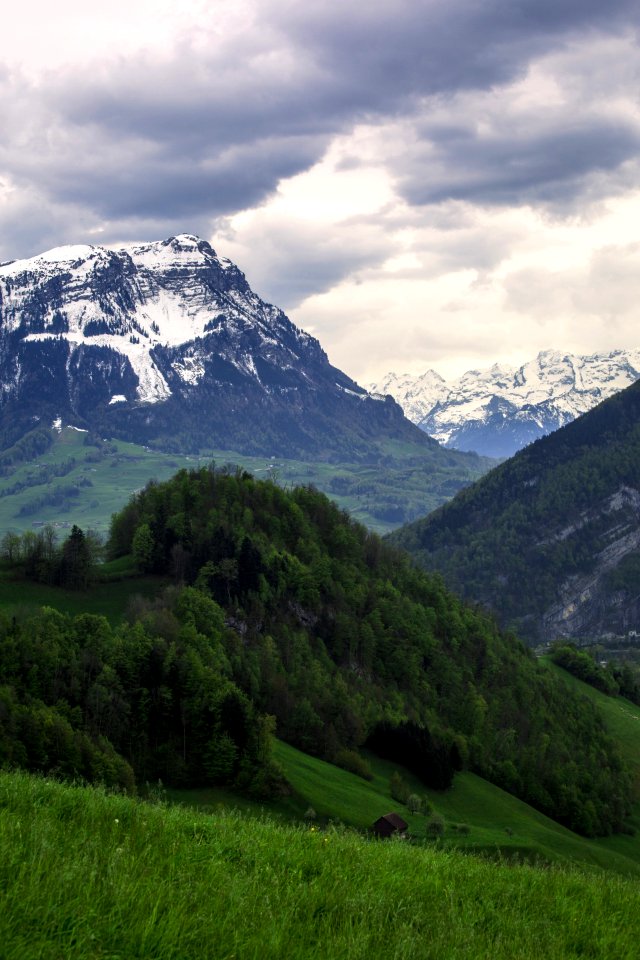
(341, 639)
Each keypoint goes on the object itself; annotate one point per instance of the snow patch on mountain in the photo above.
(189, 369)
(152, 387)
(419, 394)
(134, 299)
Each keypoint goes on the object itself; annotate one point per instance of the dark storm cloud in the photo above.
(213, 128)
(550, 166)
(384, 51)
(183, 184)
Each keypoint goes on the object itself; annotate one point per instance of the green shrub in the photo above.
(399, 788)
(352, 761)
(435, 826)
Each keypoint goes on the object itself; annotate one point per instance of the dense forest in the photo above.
(282, 607)
(147, 701)
(548, 514)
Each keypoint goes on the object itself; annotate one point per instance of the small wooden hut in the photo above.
(389, 824)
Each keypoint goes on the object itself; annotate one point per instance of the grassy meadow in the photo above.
(109, 598)
(88, 875)
(499, 824)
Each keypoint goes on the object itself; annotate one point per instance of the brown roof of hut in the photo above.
(388, 824)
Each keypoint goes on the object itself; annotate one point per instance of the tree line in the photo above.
(41, 557)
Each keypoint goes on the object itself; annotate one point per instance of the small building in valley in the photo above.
(389, 824)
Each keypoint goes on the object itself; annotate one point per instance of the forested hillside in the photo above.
(549, 540)
(341, 639)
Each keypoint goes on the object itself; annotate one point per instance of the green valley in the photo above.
(65, 478)
(230, 608)
(282, 607)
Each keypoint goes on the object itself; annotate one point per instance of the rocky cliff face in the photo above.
(498, 411)
(592, 604)
(166, 343)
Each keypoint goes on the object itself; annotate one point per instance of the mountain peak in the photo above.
(119, 337)
(183, 248)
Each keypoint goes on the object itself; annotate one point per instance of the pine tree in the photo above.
(76, 565)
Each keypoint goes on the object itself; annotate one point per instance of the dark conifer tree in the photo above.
(76, 566)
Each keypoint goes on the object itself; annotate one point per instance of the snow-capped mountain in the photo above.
(165, 342)
(500, 410)
(416, 395)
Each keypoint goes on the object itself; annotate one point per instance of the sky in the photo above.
(419, 184)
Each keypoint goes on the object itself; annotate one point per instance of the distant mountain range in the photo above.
(550, 540)
(498, 411)
(165, 343)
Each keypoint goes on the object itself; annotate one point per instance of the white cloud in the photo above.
(485, 286)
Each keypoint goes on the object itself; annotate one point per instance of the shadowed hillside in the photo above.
(549, 540)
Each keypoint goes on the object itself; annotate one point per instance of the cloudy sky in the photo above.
(419, 183)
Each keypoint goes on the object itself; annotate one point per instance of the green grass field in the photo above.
(621, 716)
(499, 825)
(85, 876)
(113, 480)
(414, 481)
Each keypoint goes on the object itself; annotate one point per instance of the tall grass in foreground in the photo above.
(87, 875)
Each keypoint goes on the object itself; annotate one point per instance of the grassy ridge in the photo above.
(621, 716)
(499, 822)
(85, 875)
